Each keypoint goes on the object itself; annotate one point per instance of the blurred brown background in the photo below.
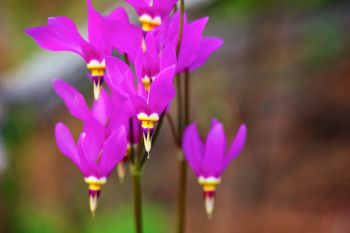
(284, 70)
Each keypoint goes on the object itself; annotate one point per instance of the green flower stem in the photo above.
(137, 192)
(183, 119)
(181, 204)
(187, 97)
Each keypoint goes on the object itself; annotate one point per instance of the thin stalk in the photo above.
(181, 215)
(131, 139)
(181, 204)
(172, 128)
(179, 39)
(136, 177)
(179, 106)
(187, 97)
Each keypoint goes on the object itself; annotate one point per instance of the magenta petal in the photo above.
(66, 144)
(191, 39)
(74, 101)
(114, 150)
(162, 90)
(140, 104)
(213, 123)
(127, 38)
(207, 46)
(100, 28)
(193, 148)
(237, 144)
(168, 57)
(102, 107)
(60, 34)
(119, 14)
(119, 77)
(139, 65)
(92, 140)
(215, 149)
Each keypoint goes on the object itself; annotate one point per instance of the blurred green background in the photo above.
(284, 70)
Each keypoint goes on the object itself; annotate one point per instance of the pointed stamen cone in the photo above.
(209, 203)
(147, 138)
(94, 191)
(97, 83)
(93, 198)
(147, 124)
(209, 188)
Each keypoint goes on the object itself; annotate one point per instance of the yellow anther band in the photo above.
(209, 184)
(96, 68)
(147, 121)
(94, 183)
(148, 25)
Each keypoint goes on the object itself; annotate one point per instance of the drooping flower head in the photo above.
(148, 106)
(150, 60)
(61, 34)
(108, 111)
(210, 159)
(96, 153)
(195, 48)
(152, 12)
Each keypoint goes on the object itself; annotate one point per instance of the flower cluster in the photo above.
(131, 95)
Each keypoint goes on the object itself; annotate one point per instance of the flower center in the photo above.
(147, 124)
(209, 183)
(94, 191)
(97, 70)
(148, 23)
(209, 187)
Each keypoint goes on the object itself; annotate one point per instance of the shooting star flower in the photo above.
(152, 12)
(61, 34)
(96, 154)
(210, 159)
(148, 106)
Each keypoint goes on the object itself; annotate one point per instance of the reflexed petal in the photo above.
(61, 34)
(168, 57)
(140, 104)
(190, 43)
(207, 46)
(102, 107)
(101, 27)
(162, 90)
(237, 144)
(66, 144)
(74, 101)
(114, 150)
(215, 149)
(92, 142)
(119, 77)
(127, 38)
(213, 123)
(139, 65)
(193, 148)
